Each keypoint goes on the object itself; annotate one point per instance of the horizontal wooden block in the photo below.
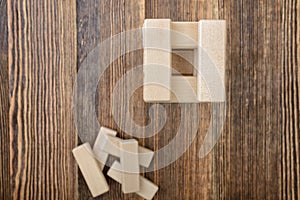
(111, 145)
(147, 188)
(211, 65)
(157, 59)
(184, 35)
(129, 160)
(100, 155)
(90, 169)
(184, 89)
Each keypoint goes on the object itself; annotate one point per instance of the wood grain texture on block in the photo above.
(184, 35)
(129, 160)
(111, 145)
(147, 188)
(157, 59)
(100, 155)
(90, 169)
(211, 65)
(184, 89)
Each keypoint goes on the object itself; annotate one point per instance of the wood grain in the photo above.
(5, 189)
(258, 154)
(42, 68)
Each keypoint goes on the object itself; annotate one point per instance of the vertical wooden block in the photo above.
(111, 145)
(130, 166)
(211, 64)
(90, 169)
(100, 155)
(147, 188)
(157, 59)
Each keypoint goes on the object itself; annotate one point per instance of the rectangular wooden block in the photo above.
(130, 166)
(157, 59)
(184, 35)
(111, 145)
(90, 169)
(184, 89)
(100, 155)
(147, 188)
(211, 64)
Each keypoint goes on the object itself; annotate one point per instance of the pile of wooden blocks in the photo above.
(126, 172)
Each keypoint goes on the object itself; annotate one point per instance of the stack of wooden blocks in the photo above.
(126, 172)
(201, 43)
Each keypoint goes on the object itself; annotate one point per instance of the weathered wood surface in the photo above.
(5, 189)
(42, 69)
(258, 154)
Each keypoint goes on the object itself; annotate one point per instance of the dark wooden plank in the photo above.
(5, 189)
(189, 177)
(98, 21)
(42, 70)
(257, 157)
(290, 111)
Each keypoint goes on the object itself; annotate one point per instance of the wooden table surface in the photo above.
(43, 44)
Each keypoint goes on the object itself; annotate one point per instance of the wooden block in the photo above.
(147, 188)
(212, 40)
(157, 59)
(90, 169)
(111, 145)
(184, 35)
(130, 166)
(184, 89)
(100, 155)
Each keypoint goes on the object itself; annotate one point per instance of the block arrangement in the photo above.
(126, 172)
(205, 39)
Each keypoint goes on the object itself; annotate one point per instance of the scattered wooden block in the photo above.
(130, 166)
(147, 188)
(111, 145)
(100, 155)
(212, 40)
(157, 59)
(90, 169)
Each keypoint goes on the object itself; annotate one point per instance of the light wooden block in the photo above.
(111, 145)
(129, 160)
(90, 169)
(100, 155)
(185, 88)
(147, 188)
(157, 59)
(212, 40)
(184, 35)
(207, 39)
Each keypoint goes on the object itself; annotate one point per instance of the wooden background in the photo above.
(42, 45)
